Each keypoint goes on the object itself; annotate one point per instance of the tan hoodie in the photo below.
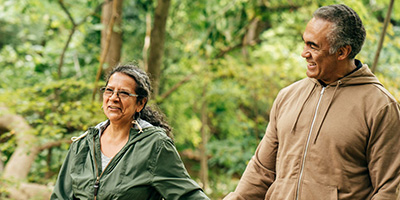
(341, 142)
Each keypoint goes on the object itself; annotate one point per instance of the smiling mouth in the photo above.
(311, 65)
(114, 108)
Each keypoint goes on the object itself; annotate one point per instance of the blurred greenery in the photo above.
(237, 82)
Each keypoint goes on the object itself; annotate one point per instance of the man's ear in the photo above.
(343, 52)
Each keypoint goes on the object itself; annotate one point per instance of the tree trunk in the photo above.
(26, 191)
(106, 40)
(17, 168)
(147, 42)
(113, 55)
(250, 37)
(157, 41)
(21, 160)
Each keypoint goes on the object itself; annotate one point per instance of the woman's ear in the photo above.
(343, 52)
(141, 104)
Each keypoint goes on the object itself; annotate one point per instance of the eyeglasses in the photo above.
(108, 92)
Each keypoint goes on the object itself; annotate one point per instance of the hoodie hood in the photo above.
(359, 77)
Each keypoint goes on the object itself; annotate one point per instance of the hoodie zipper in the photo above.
(307, 144)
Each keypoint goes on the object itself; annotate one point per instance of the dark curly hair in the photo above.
(348, 28)
(150, 114)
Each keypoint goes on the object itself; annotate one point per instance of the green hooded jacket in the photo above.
(147, 167)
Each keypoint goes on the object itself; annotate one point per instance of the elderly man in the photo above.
(333, 135)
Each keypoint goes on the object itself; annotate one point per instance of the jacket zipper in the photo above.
(307, 144)
(96, 187)
(97, 182)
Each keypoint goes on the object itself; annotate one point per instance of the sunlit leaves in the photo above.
(237, 82)
(56, 108)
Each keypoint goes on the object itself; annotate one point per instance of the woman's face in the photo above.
(120, 109)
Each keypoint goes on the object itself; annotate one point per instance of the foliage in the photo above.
(231, 154)
(232, 82)
(55, 110)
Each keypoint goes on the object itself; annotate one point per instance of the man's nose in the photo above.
(306, 52)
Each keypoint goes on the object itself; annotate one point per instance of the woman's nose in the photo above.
(114, 96)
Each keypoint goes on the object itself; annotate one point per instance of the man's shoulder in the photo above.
(384, 93)
(298, 85)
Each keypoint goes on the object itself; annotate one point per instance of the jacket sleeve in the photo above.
(383, 152)
(171, 179)
(260, 172)
(63, 188)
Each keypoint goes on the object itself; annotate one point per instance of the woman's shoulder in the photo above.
(155, 139)
(156, 134)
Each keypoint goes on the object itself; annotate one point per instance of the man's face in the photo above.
(321, 65)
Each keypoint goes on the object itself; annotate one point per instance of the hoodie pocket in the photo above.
(281, 190)
(286, 189)
(311, 191)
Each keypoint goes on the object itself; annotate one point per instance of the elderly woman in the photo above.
(128, 156)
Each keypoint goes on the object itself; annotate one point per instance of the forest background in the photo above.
(216, 67)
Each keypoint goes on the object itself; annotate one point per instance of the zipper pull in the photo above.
(96, 187)
(323, 90)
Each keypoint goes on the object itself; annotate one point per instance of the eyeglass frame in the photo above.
(107, 89)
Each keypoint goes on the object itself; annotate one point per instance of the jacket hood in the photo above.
(135, 130)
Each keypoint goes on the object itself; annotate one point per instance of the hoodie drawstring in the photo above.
(326, 110)
(301, 109)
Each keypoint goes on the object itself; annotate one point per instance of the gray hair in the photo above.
(348, 28)
(143, 86)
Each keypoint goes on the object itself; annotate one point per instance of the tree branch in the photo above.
(382, 38)
(26, 149)
(97, 9)
(231, 48)
(74, 26)
(253, 41)
(173, 88)
(61, 63)
(61, 2)
(54, 144)
(24, 141)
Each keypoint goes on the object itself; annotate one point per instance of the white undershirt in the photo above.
(104, 161)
